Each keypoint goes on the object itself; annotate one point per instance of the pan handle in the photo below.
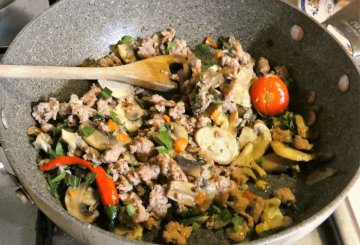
(347, 21)
(20, 192)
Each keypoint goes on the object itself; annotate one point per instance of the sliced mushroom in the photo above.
(69, 138)
(319, 175)
(177, 131)
(219, 118)
(218, 144)
(182, 192)
(272, 163)
(126, 53)
(97, 139)
(245, 158)
(119, 89)
(233, 119)
(302, 129)
(43, 141)
(130, 125)
(289, 153)
(192, 168)
(132, 234)
(82, 202)
(247, 135)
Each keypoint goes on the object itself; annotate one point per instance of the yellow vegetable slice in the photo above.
(289, 153)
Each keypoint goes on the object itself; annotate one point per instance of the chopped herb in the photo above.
(164, 137)
(225, 214)
(111, 211)
(58, 178)
(208, 124)
(115, 118)
(216, 209)
(205, 53)
(130, 209)
(72, 180)
(59, 151)
(94, 164)
(51, 153)
(170, 45)
(197, 98)
(196, 219)
(126, 40)
(237, 220)
(195, 227)
(162, 149)
(58, 128)
(140, 102)
(54, 186)
(106, 93)
(87, 131)
(99, 117)
(89, 178)
(206, 64)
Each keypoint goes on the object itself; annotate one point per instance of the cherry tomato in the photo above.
(269, 95)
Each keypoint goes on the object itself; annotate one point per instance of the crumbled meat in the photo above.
(158, 202)
(133, 177)
(141, 146)
(263, 65)
(90, 97)
(189, 123)
(203, 121)
(229, 61)
(92, 155)
(112, 154)
(301, 143)
(176, 233)
(45, 111)
(122, 166)
(110, 60)
(64, 109)
(79, 143)
(141, 214)
(148, 173)
(47, 127)
(156, 98)
(72, 121)
(237, 50)
(285, 195)
(156, 121)
(176, 112)
(124, 185)
(170, 168)
(195, 64)
(104, 107)
(83, 112)
(180, 48)
(281, 135)
(168, 35)
(223, 185)
(160, 108)
(146, 49)
(257, 207)
(282, 72)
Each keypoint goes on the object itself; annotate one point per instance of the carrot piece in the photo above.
(123, 138)
(218, 53)
(210, 42)
(215, 115)
(200, 198)
(249, 195)
(180, 144)
(111, 125)
(166, 118)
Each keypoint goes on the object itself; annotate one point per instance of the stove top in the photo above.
(22, 223)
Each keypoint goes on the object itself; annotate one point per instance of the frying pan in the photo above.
(75, 29)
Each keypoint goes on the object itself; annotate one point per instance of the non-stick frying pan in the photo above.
(75, 29)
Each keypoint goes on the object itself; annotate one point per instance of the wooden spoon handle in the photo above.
(57, 72)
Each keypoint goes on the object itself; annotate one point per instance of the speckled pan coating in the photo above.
(75, 29)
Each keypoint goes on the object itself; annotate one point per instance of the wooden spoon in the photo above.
(152, 73)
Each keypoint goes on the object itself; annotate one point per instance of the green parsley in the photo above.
(205, 53)
(195, 227)
(170, 45)
(115, 118)
(126, 40)
(225, 215)
(106, 93)
(72, 180)
(111, 211)
(58, 178)
(130, 209)
(89, 178)
(59, 151)
(164, 137)
(99, 117)
(87, 131)
(162, 149)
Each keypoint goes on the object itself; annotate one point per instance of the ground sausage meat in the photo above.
(146, 49)
(141, 145)
(158, 202)
(281, 135)
(302, 144)
(176, 112)
(176, 233)
(148, 173)
(170, 168)
(113, 153)
(45, 111)
(90, 97)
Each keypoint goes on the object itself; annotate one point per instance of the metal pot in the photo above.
(73, 30)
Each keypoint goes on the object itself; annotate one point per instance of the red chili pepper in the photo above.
(106, 186)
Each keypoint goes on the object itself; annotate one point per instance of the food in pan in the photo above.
(131, 160)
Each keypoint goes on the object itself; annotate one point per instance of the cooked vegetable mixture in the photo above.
(131, 160)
